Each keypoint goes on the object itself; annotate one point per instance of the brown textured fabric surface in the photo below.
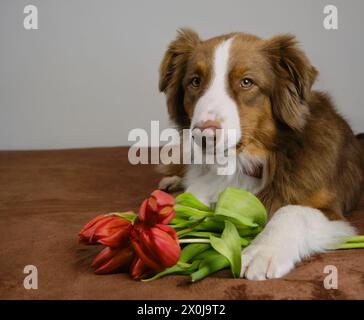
(47, 196)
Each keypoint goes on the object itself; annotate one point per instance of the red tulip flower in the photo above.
(156, 246)
(111, 260)
(114, 233)
(157, 209)
(139, 270)
(109, 230)
(143, 244)
(87, 233)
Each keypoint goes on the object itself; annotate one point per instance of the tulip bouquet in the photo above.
(176, 236)
(179, 236)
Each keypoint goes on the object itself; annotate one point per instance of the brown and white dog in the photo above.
(295, 152)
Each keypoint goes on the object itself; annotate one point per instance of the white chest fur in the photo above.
(204, 182)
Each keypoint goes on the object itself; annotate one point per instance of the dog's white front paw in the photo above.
(261, 262)
(293, 233)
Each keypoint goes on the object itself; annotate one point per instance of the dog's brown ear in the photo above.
(172, 71)
(294, 78)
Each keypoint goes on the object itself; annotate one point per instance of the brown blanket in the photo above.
(47, 196)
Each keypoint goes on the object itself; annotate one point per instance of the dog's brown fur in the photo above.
(312, 155)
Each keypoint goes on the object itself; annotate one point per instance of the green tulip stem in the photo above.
(189, 229)
(351, 245)
(356, 242)
(198, 240)
(355, 239)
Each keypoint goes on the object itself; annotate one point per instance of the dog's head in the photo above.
(237, 81)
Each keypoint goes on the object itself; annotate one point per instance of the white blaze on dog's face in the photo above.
(216, 106)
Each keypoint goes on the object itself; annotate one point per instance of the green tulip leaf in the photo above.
(229, 246)
(207, 255)
(178, 268)
(244, 242)
(211, 224)
(200, 234)
(177, 220)
(185, 211)
(183, 224)
(236, 219)
(192, 250)
(211, 262)
(189, 200)
(242, 206)
(248, 231)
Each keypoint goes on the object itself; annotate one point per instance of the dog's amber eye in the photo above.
(246, 83)
(195, 82)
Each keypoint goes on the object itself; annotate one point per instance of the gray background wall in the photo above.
(90, 73)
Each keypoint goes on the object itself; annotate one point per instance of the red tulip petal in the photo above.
(139, 270)
(168, 229)
(87, 233)
(150, 249)
(152, 203)
(166, 246)
(158, 246)
(143, 210)
(103, 256)
(116, 240)
(145, 257)
(151, 213)
(121, 259)
(166, 215)
(140, 236)
(163, 198)
(83, 239)
(93, 221)
(114, 233)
